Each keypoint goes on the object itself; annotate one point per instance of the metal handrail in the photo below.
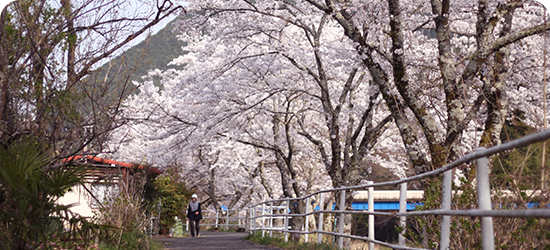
(224, 214)
(484, 202)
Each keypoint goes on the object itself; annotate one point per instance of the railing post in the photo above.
(227, 219)
(371, 216)
(306, 221)
(217, 217)
(333, 221)
(320, 223)
(253, 219)
(286, 220)
(263, 220)
(342, 218)
(239, 217)
(248, 223)
(446, 205)
(271, 219)
(484, 200)
(402, 209)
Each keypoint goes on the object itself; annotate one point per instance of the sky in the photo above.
(160, 25)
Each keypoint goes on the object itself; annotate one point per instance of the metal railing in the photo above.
(152, 227)
(223, 218)
(261, 216)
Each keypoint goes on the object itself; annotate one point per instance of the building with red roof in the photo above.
(104, 178)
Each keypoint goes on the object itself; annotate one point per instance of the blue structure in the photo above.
(383, 205)
(394, 205)
(380, 205)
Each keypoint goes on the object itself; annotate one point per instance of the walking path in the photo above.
(211, 240)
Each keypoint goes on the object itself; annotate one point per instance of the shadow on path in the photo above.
(211, 240)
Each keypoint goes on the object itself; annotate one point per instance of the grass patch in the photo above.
(131, 240)
(289, 245)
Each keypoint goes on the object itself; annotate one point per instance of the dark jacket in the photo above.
(191, 214)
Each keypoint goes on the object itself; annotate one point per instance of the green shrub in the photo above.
(174, 196)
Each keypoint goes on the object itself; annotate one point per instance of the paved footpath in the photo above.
(211, 240)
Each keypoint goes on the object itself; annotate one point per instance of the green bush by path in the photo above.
(170, 188)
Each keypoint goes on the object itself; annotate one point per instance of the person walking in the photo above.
(194, 215)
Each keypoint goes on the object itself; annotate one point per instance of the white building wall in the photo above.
(80, 200)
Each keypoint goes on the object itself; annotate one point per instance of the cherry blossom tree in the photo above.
(335, 83)
(443, 68)
(221, 170)
(455, 72)
(283, 85)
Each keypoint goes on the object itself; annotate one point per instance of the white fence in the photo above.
(261, 215)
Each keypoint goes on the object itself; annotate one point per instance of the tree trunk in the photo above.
(71, 43)
(495, 90)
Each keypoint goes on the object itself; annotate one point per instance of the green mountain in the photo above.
(155, 52)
